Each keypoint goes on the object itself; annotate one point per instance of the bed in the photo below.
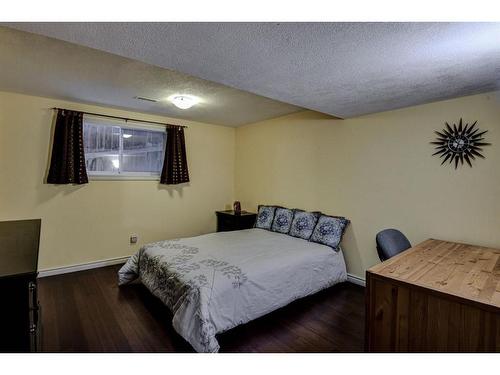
(217, 281)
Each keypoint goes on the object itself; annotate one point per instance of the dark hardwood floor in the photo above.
(87, 312)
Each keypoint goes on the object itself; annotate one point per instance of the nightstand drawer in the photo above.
(225, 223)
(228, 220)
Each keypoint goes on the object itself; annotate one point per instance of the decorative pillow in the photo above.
(282, 220)
(329, 231)
(303, 224)
(265, 217)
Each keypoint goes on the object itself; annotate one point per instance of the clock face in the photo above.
(460, 143)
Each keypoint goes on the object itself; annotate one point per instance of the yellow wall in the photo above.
(378, 171)
(93, 222)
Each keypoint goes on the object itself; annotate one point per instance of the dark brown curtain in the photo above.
(175, 168)
(67, 164)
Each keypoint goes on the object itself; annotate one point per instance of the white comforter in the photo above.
(217, 281)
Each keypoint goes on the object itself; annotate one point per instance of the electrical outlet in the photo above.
(133, 238)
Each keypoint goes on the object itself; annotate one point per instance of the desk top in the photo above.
(465, 271)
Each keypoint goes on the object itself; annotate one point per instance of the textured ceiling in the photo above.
(343, 69)
(38, 65)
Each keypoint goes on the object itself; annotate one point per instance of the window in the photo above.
(120, 149)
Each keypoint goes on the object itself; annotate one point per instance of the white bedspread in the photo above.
(217, 281)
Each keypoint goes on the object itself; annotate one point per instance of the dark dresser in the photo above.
(20, 310)
(229, 220)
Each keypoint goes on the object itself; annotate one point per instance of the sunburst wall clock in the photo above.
(459, 143)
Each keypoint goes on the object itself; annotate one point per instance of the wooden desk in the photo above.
(437, 296)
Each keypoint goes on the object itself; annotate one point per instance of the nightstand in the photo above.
(228, 220)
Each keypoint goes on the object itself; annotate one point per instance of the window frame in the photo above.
(124, 176)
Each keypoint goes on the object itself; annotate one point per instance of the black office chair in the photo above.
(391, 242)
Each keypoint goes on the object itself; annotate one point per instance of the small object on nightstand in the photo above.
(229, 220)
(237, 208)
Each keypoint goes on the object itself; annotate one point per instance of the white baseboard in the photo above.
(81, 267)
(356, 280)
(110, 262)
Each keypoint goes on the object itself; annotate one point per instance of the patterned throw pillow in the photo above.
(265, 217)
(282, 220)
(303, 224)
(329, 231)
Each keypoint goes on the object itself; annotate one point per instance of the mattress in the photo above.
(217, 281)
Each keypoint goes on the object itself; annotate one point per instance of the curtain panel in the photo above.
(175, 168)
(67, 164)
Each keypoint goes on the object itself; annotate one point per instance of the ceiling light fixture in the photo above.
(127, 135)
(183, 101)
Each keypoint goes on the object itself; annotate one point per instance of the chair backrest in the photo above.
(391, 242)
